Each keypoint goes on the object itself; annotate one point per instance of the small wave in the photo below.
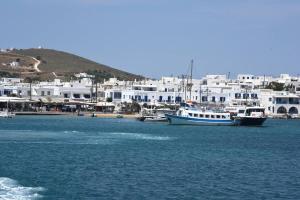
(11, 189)
(141, 136)
(71, 132)
(7, 130)
(83, 141)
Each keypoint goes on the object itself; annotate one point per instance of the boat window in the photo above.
(212, 116)
(195, 115)
(206, 116)
(223, 117)
(218, 116)
(190, 114)
(201, 115)
(241, 111)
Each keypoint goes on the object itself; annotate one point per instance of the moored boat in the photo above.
(154, 115)
(6, 114)
(189, 115)
(250, 116)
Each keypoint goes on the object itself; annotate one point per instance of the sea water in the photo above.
(58, 157)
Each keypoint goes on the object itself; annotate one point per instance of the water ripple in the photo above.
(140, 136)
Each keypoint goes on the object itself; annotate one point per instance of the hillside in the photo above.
(63, 64)
(12, 64)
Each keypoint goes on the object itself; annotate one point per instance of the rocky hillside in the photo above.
(44, 64)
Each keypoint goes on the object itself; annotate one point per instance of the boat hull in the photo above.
(250, 121)
(178, 120)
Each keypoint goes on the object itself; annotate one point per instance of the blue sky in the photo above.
(160, 37)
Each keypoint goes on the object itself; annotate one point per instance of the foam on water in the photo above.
(72, 132)
(141, 136)
(11, 190)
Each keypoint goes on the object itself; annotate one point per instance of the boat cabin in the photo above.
(251, 112)
(194, 113)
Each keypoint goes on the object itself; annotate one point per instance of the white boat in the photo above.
(189, 115)
(154, 115)
(6, 114)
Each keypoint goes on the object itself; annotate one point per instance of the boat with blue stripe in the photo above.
(189, 115)
(243, 116)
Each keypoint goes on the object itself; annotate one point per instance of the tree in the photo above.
(275, 86)
(289, 87)
(135, 107)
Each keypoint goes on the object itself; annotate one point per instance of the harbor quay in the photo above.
(280, 96)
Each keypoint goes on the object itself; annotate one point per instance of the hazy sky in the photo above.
(160, 37)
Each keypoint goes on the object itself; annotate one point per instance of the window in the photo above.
(201, 115)
(169, 99)
(206, 116)
(195, 115)
(117, 95)
(160, 99)
(76, 96)
(254, 96)
(245, 96)
(213, 99)
(43, 93)
(66, 95)
(222, 99)
(237, 95)
(212, 116)
(218, 116)
(190, 114)
(223, 117)
(87, 96)
(48, 93)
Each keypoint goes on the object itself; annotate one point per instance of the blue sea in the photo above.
(59, 157)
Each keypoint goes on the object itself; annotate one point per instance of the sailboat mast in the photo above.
(191, 83)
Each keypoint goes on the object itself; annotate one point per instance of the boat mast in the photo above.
(200, 95)
(191, 84)
(184, 87)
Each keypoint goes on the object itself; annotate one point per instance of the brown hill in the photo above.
(63, 64)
